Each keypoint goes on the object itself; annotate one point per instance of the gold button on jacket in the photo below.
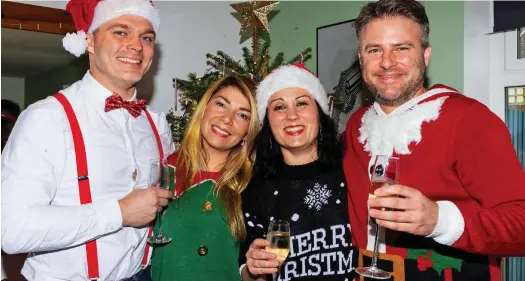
(202, 251)
(207, 206)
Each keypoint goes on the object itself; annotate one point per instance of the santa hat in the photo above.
(89, 15)
(290, 76)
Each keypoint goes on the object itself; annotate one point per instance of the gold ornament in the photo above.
(192, 105)
(254, 14)
(207, 207)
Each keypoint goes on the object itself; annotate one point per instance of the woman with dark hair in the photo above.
(298, 177)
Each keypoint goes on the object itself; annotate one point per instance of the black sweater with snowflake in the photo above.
(314, 201)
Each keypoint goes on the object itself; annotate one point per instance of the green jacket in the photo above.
(202, 247)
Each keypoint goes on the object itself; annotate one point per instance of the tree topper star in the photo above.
(254, 14)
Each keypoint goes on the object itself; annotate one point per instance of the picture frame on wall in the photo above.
(339, 71)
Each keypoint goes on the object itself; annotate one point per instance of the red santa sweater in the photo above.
(462, 154)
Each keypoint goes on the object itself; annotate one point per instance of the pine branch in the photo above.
(278, 61)
(305, 54)
(231, 63)
(247, 56)
(216, 62)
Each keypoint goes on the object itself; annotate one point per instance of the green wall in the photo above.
(294, 29)
(47, 83)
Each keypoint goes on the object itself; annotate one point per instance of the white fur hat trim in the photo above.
(106, 10)
(290, 76)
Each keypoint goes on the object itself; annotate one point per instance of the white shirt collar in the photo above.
(92, 87)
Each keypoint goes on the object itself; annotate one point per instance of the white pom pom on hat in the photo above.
(75, 43)
(290, 76)
(89, 15)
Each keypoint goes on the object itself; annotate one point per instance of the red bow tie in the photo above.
(133, 107)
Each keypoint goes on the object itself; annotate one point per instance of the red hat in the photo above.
(89, 15)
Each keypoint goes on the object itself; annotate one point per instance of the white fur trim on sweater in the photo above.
(107, 10)
(289, 76)
(384, 134)
(75, 43)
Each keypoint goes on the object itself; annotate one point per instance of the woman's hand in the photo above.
(258, 261)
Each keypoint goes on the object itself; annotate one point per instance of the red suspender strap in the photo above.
(161, 155)
(83, 180)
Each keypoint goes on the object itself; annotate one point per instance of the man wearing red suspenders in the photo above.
(75, 169)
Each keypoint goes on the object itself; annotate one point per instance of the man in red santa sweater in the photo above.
(460, 202)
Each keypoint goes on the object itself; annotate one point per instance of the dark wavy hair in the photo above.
(268, 153)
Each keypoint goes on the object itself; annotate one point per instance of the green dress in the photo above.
(203, 247)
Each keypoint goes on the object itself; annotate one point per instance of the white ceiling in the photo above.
(25, 53)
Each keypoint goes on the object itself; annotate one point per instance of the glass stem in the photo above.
(159, 216)
(376, 248)
(275, 276)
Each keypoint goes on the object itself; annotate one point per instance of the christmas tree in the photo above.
(256, 64)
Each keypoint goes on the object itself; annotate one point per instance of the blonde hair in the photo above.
(237, 170)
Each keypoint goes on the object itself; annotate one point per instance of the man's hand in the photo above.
(258, 261)
(141, 206)
(413, 212)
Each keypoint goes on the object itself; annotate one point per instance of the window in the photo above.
(521, 43)
(516, 97)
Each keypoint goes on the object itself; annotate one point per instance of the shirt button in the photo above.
(207, 207)
(202, 251)
(134, 175)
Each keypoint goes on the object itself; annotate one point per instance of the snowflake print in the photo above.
(317, 196)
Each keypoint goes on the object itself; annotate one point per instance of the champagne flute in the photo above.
(279, 237)
(385, 171)
(161, 175)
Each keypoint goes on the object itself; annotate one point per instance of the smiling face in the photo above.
(294, 120)
(393, 60)
(121, 51)
(226, 119)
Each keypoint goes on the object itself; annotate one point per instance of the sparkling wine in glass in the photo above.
(385, 171)
(279, 237)
(161, 175)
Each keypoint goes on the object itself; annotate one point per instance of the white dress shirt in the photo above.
(41, 211)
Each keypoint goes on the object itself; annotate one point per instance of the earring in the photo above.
(270, 144)
(320, 133)
(242, 142)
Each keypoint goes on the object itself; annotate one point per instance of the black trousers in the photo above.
(142, 275)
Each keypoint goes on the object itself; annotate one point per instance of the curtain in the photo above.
(515, 266)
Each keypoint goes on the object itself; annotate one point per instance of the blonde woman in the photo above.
(214, 165)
